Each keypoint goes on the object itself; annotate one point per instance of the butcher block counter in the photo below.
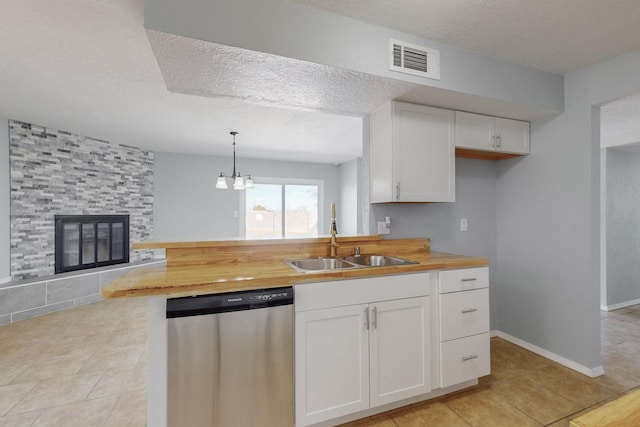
(198, 268)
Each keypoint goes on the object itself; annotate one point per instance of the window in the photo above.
(89, 241)
(282, 209)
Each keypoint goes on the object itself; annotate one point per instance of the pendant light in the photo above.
(239, 183)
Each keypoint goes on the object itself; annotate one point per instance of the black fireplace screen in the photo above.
(89, 241)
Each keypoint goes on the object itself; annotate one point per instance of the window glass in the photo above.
(301, 210)
(264, 211)
(281, 210)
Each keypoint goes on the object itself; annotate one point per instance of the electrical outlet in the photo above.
(382, 228)
(464, 224)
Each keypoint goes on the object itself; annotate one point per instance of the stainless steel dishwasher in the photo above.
(230, 359)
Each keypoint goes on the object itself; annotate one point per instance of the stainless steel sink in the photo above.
(305, 265)
(377, 260)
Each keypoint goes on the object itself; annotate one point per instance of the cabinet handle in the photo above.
(494, 143)
(470, 357)
(398, 191)
(469, 310)
(366, 318)
(469, 279)
(499, 139)
(375, 318)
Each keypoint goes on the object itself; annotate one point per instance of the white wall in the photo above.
(622, 226)
(5, 225)
(187, 206)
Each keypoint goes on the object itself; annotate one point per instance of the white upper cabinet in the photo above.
(503, 138)
(412, 154)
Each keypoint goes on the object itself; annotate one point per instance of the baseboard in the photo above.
(619, 305)
(590, 372)
(5, 280)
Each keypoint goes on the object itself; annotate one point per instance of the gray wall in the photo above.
(187, 206)
(5, 224)
(623, 226)
(350, 205)
(549, 221)
(476, 182)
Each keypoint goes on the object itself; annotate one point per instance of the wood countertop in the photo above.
(199, 268)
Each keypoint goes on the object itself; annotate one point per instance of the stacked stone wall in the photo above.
(55, 172)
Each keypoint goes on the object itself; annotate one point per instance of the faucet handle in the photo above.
(357, 251)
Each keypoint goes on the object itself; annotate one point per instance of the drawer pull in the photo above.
(471, 357)
(469, 279)
(469, 310)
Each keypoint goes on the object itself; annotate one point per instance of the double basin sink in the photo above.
(307, 265)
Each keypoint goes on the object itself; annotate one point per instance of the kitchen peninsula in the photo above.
(445, 297)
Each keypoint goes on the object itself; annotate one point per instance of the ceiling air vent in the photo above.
(413, 59)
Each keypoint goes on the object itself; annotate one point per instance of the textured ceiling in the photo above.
(552, 35)
(87, 66)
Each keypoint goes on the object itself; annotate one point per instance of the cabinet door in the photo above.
(513, 136)
(332, 363)
(400, 350)
(423, 154)
(475, 131)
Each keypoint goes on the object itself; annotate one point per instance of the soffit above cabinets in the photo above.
(196, 67)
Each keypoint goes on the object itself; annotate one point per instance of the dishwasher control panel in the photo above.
(226, 302)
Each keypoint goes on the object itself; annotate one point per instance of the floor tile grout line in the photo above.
(21, 399)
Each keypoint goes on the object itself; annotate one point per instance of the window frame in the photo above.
(242, 208)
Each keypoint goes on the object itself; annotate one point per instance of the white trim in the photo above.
(5, 280)
(590, 372)
(619, 305)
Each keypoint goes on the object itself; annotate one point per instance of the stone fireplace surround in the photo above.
(56, 172)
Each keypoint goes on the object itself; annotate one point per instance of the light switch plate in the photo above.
(464, 224)
(382, 228)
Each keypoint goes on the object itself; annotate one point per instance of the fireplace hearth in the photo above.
(90, 241)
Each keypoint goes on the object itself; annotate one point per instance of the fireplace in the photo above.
(90, 241)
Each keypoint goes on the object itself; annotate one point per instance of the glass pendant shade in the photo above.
(249, 182)
(221, 183)
(238, 184)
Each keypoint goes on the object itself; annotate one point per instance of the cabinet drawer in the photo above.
(464, 359)
(463, 279)
(464, 313)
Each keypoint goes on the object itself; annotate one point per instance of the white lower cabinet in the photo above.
(368, 342)
(464, 325)
(355, 357)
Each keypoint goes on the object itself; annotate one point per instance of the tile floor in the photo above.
(86, 367)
